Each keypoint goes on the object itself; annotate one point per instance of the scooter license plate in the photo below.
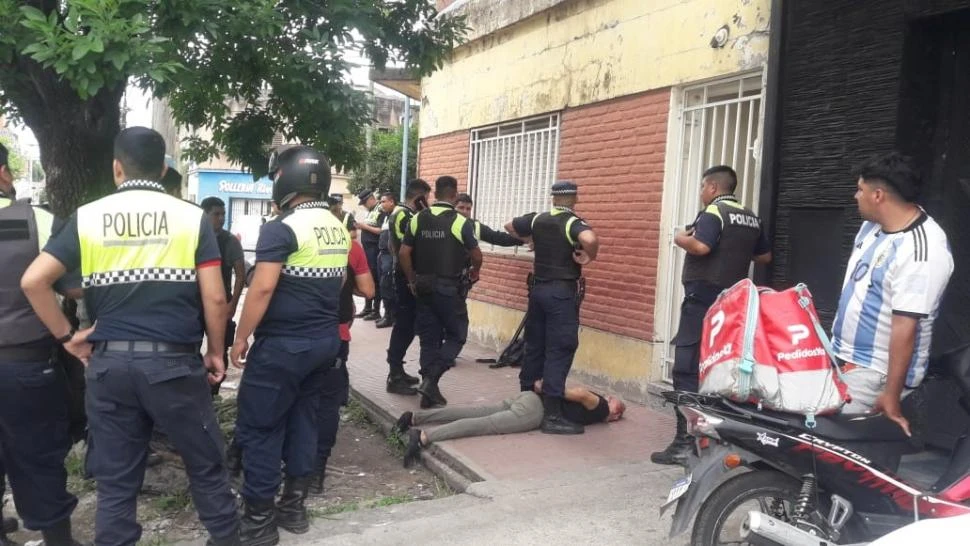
(680, 487)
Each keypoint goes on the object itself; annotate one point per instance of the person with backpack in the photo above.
(720, 245)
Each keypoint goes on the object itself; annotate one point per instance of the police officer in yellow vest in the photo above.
(33, 410)
(563, 244)
(148, 261)
(436, 248)
(293, 308)
(336, 202)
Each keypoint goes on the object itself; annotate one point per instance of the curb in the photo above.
(458, 476)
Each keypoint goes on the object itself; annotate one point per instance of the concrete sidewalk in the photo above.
(508, 457)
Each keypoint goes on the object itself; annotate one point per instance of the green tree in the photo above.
(242, 70)
(14, 160)
(382, 165)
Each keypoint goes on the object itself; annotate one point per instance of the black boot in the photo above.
(366, 311)
(258, 524)
(679, 448)
(430, 393)
(59, 534)
(413, 451)
(397, 383)
(291, 510)
(316, 480)
(232, 540)
(411, 380)
(553, 422)
(386, 322)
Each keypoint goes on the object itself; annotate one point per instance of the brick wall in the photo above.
(615, 152)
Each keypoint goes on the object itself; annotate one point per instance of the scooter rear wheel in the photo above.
(773, 491)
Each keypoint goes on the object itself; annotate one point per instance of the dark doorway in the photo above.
(934, 127)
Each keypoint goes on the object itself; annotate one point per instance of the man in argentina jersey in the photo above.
(895, 278)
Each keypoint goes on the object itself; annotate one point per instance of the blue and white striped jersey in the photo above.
(902, 273)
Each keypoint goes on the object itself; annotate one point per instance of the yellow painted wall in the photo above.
(586, 51)
(618, 363)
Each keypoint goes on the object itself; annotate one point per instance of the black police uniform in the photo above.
(552, 323)
(734, 235)
(296, 345)
(371, 244)
(441, 239)
(138, 251)
(492, 237)
(33, 408)
(402, 333)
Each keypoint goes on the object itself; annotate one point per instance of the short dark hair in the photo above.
(417, 187)
(465, 198)
(4, 155)
(724, 176)
(445, 187)
(390, 195)
(210, 203)
(895, 172)
(141, 152)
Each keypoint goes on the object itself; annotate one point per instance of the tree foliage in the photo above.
(241, 71)
(381, 168)
(14, 160)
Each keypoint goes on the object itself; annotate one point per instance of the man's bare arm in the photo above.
(214, 308)
(582, 396)
(364, 285)
(763, 259)
(407, 265)
(237, 287)
(590, 243)
(686, 241)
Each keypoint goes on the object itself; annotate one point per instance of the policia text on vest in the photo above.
(143, 286)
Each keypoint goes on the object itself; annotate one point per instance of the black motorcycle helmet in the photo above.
(298, 170)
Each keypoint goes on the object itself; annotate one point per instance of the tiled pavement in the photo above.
(515, 456)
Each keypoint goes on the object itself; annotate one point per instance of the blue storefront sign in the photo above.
(242, 195)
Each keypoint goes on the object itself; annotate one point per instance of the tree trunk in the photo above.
(76, 137)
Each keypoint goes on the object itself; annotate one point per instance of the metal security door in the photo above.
(720, 125)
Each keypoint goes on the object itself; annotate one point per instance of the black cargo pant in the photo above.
(402, 333)
(442, 325)
(551, 336)
(336, 384)
(128, 392)
(34, 440)
(687, 341)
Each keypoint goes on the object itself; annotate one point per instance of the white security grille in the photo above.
(249, 207)
(720, 125)
(511, 168)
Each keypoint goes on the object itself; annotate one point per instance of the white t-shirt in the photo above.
(904, 273)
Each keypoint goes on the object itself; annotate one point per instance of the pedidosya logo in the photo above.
(715, 357)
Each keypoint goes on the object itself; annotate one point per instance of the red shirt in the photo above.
(357, 261)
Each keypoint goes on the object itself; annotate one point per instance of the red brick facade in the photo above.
(615, 151)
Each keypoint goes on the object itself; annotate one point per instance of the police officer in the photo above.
(483, 232)
(385, 262)
(720, 245)
(434, 251)
(563, 244)
(146, 259)
(370, 233)
(336, 202)
(292, 306)
(402, 334)
(33, 409)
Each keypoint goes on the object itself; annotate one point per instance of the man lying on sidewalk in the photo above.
(519, 414)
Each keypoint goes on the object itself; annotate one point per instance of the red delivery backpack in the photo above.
(767, 347)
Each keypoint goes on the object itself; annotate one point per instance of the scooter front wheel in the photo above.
(719, 519)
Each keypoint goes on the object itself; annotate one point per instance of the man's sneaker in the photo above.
(413, 451)
(403, 422)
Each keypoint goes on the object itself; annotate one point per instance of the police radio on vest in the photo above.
(135, 224)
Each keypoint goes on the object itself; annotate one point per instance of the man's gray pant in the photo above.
(520, 414)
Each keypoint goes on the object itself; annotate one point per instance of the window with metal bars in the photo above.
(511, 168)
